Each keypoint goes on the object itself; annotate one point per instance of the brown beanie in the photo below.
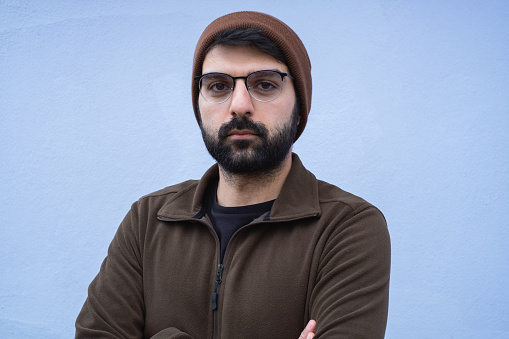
(285, 38)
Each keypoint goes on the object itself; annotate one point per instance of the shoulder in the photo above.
(334, 200)
(170, 191)
(354, 223)
(156, 200)
(329, 193)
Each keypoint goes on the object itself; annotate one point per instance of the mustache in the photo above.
(243, 123)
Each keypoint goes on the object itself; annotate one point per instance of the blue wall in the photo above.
(410, 111)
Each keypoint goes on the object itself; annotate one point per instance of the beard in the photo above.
(261, 154)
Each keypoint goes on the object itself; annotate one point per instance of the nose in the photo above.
(241, 100)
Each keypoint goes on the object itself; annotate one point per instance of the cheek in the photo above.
(206, 113)
(286, 101)
(212, 112)
(283, 111)
(210, 123)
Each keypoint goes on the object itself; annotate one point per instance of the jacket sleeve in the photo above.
(114, 307)
(350, 296)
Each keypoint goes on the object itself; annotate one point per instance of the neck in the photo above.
(251, 188)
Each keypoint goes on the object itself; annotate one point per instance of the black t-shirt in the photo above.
(227, 220)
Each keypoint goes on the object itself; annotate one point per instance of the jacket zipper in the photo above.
(219, 279)
(215, 294)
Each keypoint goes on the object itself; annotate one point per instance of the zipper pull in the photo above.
(219, 278)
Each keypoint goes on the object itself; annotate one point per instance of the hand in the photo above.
(308, 331)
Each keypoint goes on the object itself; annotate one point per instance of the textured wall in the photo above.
(410, 110)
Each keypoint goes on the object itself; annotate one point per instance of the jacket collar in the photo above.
(298, 197)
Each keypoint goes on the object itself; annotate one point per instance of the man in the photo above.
(258, 248)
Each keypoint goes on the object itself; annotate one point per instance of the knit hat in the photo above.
(277, 31)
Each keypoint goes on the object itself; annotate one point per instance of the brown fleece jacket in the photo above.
(320, 253)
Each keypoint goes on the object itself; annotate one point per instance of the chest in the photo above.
(265, 277)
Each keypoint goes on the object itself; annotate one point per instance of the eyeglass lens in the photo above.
(262, 85)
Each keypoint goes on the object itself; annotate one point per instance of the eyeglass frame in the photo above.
(282, 74)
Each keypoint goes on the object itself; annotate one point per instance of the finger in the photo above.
(310, 327)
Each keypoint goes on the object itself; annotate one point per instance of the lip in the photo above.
(241, 134)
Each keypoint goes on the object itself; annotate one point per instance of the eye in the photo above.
(218, 87)
(215, 84)
(265, 85)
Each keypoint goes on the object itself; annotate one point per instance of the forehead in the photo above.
(239, 60)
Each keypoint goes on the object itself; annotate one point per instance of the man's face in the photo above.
(243, 134)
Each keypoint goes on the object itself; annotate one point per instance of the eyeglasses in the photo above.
(264, 85)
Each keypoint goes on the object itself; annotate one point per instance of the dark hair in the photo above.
(248, 37)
